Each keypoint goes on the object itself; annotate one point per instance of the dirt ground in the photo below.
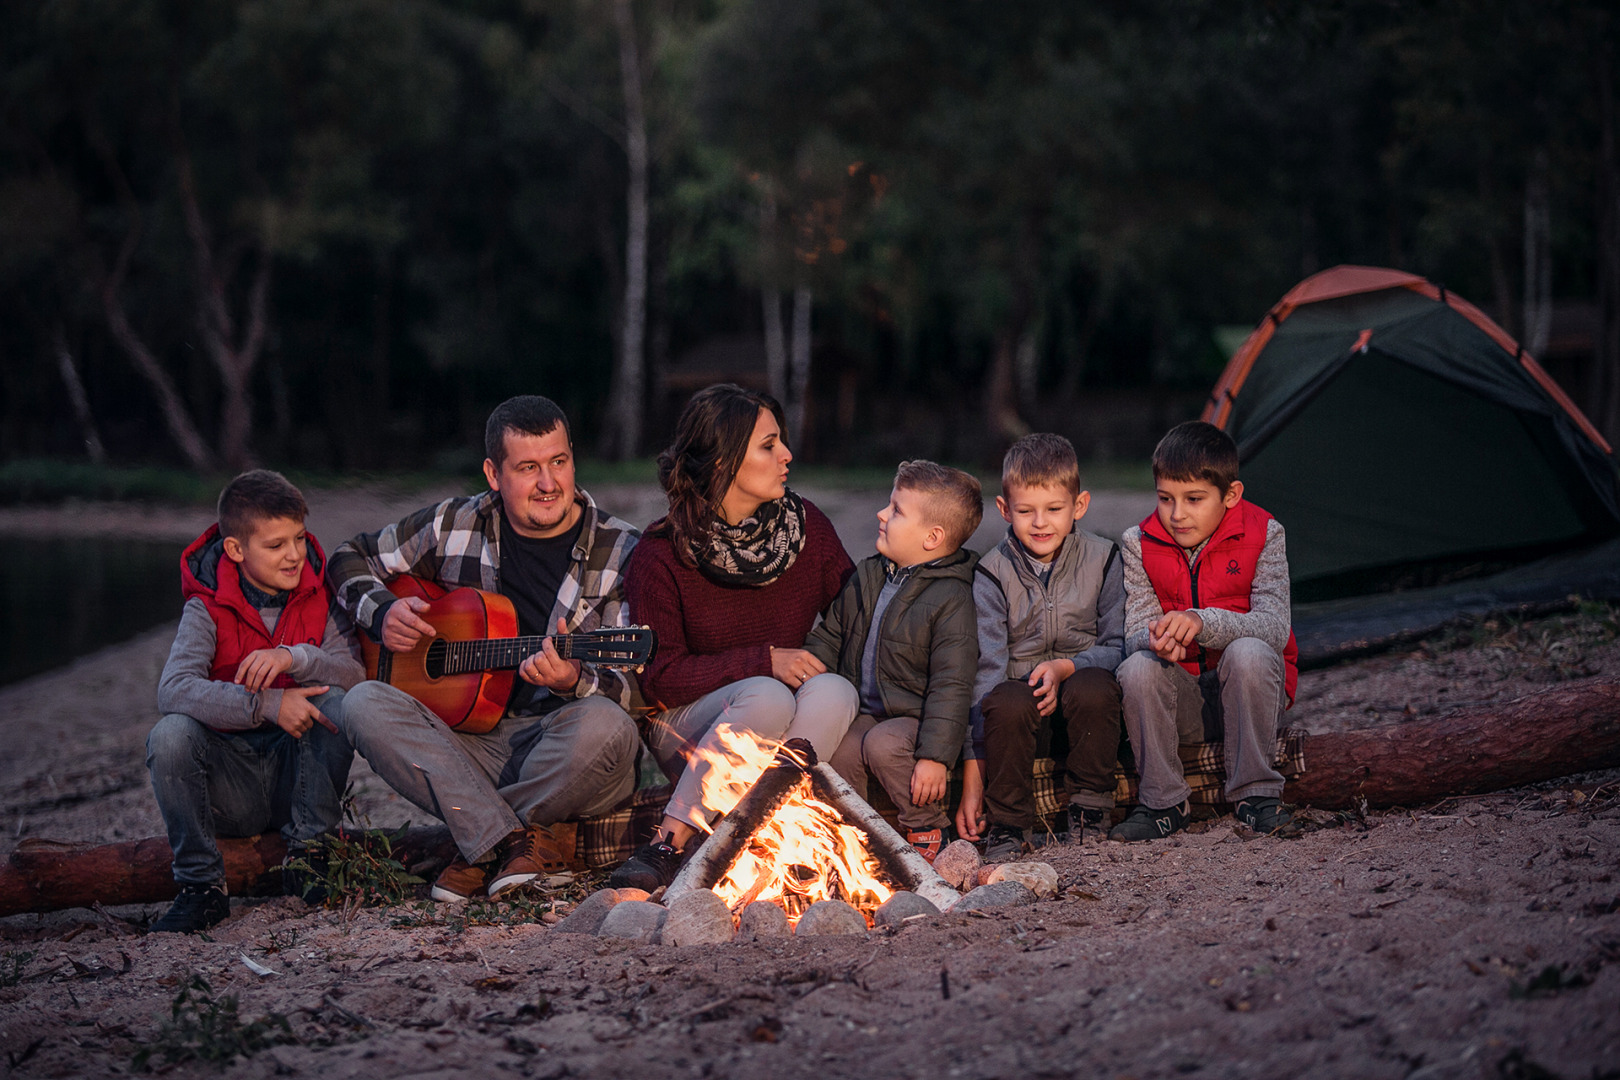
(1473, 938)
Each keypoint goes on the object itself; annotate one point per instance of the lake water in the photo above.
(62, 598)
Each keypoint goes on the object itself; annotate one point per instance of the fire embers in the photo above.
(803, 853)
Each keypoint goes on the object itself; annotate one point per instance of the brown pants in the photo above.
(1084, 730)
(889, 749)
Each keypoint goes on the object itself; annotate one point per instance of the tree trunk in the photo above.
(235, 359)
(80, 400)
(776, 361)
(1545, 735)
(47, 875)
(175, 417)
(1556, 732)
(628, 374)
(799, 367)
(1538, 257)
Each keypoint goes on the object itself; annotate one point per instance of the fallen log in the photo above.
(1545, 735)
(1552, 733)
(48, 875)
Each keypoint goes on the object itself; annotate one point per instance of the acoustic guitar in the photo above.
(464, 673)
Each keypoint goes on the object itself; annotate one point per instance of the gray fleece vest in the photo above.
(1057, 619)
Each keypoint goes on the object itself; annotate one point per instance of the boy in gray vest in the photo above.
(1051, 615)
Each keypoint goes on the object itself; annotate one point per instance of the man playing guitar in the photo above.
(566, 748)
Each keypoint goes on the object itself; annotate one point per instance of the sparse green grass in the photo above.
(12, 965)
(204, 1028)
(361, 869)
(38, 480)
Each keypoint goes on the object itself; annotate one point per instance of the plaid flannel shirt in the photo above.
(458, 543)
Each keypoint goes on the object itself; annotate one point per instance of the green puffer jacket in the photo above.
(929, 651)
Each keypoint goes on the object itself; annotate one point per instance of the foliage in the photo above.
(203, 1028)
(996, 207)
(360, 869)
(12, 966)
(34, 480)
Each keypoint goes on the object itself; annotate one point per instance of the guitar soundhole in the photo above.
(436, 659)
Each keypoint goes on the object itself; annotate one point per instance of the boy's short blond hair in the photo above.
(953, 498)
(258, 495)
(1041, 460)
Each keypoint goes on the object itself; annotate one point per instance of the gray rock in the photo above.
(1000, 894)
(763, 920)
(635, 920)
(633, 894)
(697, 918)
(826, 917)
(958, 864)
(587, 917)
(1037, 877)
(902, 906)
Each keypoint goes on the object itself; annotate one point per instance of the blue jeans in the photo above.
(243, 783)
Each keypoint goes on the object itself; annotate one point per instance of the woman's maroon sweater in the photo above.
(712, 635)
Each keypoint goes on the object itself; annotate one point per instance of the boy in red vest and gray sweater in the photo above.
(1211, 653)
(249, 740)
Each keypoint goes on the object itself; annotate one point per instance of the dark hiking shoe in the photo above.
(196, 908)
(1264, 814)
(459, 882)
(1004, 842)
(1087, 820)
(304, 873)
(649, 869)
(1143, 823)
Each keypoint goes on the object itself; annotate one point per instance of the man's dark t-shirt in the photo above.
(531, 573)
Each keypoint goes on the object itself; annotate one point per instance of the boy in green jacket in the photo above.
(903, 630)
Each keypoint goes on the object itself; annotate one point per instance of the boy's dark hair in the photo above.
(1041, 460)
(527, 414)
(1196, 451)
(953, 498)
(255, 496)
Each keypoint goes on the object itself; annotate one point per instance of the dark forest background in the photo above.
(330, 234)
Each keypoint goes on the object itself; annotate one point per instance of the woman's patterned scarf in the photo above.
(757, 550)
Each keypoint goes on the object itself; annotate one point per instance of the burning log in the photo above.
(1541, 736)
(794, 777)
(48, 875)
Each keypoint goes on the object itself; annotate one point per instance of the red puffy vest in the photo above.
(210, 576)
(1221, 578)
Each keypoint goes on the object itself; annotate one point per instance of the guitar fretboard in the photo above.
(496, 654)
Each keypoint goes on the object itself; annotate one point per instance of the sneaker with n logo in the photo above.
(1145, 823)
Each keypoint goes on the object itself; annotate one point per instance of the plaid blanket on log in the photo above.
(609, 840)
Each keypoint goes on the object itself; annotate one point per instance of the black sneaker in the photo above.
(196, 908)
(1264, 814)
(649, 869)
(1143, 823)
(308, 885)
(1004, 842)
(1087, 819)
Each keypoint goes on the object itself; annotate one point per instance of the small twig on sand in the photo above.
(352, 1017)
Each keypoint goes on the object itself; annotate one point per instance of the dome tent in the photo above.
(1403, 438)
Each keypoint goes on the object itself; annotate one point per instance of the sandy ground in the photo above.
(1473, 938)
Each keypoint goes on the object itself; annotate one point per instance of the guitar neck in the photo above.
(500, 654)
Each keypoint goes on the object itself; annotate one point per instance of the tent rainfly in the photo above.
(1403, 438)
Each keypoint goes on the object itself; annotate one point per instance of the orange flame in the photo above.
(804, 853)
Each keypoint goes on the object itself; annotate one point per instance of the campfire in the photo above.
(794, 833)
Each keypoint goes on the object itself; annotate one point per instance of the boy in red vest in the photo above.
(1207, 630)
(250, 693)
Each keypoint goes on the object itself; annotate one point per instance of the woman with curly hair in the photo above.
(732, 579)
